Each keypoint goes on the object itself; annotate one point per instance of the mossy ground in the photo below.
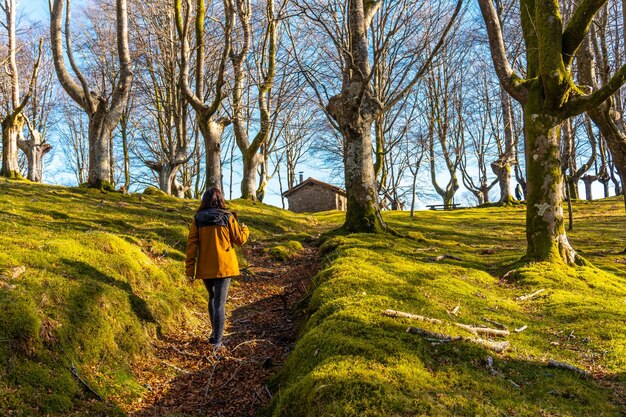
(103, 278)
(353, 361)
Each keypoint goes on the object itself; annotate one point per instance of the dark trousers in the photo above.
(218, 291)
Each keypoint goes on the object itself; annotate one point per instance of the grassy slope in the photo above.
(352, 361)
(104, 275)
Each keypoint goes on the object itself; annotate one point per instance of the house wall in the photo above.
(313, 197)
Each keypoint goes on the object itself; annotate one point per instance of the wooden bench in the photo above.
(443, 206)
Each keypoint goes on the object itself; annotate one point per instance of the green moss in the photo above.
(154, 191)
(14, 175)
(103, 279)
(351, 360)
(19, 323)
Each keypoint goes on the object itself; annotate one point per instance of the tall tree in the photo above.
(549, 96)
(355, 108)
(211, 126)
(104, 113)
(606, 115)
(14, 120)
(162, 111)
(269, 49)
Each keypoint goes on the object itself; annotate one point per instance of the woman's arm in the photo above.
(238, 234)
(192, 250)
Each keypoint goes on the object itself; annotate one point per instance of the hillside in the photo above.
(93, 282)
(90, 281)
(354, 361)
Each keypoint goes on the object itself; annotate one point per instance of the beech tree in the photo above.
(549, 96)
(104, 111)
(161, 111)
(211, 126)
(606, 115)
(356, 107)
(39, 115)
(14, 120)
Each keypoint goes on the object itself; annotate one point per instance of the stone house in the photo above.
(312, 195)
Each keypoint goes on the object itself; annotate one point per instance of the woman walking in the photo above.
(211, 255)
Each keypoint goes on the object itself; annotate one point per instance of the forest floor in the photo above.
(96, 317)
(263, 314)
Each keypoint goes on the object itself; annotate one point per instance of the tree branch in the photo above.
(122, 90)
(578, 105)
(69, 85)
(394, 100)
(511, 82)
(578, 27)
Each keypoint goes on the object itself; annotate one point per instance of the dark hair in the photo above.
(212, 198)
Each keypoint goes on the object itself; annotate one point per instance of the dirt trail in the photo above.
(261, 329)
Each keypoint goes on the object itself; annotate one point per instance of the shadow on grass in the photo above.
(81, 269)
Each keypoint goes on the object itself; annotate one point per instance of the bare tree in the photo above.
(606, 115)
(13, 122)
(356, 107)
(267, 72)
(38, 116)
(211, 126)
(549, 96)
(445, 127)
(104, 112)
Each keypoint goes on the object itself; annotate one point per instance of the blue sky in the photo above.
(37, 10)
(34, 9)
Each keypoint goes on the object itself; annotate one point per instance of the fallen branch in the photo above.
(497, 347)
(184, 371)
(208, 385)
(442, 257)
(395, 313)
(483, 330)
(433, 335)
(495, 323)
(529, 296)
(521, 329)
(74, 372)
(562, 365)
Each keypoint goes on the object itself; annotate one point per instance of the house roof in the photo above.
(313, 181)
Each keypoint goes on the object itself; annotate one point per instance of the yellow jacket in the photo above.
(210, 244)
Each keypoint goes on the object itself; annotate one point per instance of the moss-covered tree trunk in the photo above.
(363, 213)
(545, 228)
(12, 126)
(99, 135)
(549, 96)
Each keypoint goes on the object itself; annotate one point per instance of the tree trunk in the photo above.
(167, 175)
(35, 151)
(572, 184)
(588, 180)
(212, 134)
(126, 159)
(355, 122)
(12, 126)
(251, 161)
(502, 167)
(545, 230)
(413, 191)
(99, 137)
